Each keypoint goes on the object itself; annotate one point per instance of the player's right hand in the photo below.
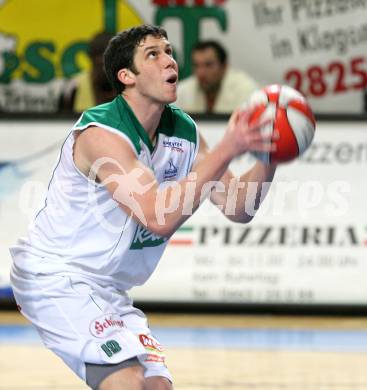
(245, 136)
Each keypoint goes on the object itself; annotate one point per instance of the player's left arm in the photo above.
(239, 197)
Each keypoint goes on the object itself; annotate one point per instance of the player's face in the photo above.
(207, 68)
(157, 70)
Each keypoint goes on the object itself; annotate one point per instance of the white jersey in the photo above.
(81, 229)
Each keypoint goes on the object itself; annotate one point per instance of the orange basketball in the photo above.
(292, 119)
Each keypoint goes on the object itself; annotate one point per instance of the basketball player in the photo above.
(102, 231)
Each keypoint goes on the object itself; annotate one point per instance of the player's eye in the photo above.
(152, 54)
(169, 51)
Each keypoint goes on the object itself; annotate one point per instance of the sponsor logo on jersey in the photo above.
(171, 171)
(105, 325)
(150, 344)
(145, 238)
(173, 145)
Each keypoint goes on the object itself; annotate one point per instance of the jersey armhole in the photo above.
(108, 128)
(197, 146)
(77, 128)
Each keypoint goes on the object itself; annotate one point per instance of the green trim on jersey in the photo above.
(176, 123)
(118, 116)
(111, 115)
(127, 113)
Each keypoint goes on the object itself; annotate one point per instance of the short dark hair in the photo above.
(217, 47)
(120, 51)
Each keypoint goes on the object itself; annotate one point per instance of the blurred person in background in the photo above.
(90, 87)
(214, 87)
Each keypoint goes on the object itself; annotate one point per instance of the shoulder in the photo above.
(187, 91)
(110, 116)
(187, 83)
(189, 95)
(239, 78)
(187, 88)
(105, 114)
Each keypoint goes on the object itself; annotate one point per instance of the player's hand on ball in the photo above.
(250, 137)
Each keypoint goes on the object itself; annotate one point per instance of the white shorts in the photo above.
(83, 322)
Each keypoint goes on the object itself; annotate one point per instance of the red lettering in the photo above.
(294, 78)
(338, 69)
(162, 3)
(313, 81)
(98, 327)
(356, 67)
(317, 83)
(149, 342)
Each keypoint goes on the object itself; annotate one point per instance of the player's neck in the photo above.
(148, 113)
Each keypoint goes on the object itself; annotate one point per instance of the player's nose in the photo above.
(169, 61)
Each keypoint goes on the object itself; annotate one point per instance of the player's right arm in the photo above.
(134, 186)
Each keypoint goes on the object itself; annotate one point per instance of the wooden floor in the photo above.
(32, 367)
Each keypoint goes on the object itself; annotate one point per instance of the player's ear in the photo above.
(126, 76)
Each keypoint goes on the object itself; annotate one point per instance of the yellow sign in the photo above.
(42, 40)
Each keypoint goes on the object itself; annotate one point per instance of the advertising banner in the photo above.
(316, 46)
(307, 244)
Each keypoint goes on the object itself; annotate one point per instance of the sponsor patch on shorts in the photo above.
(154, 358)
(150, 343)
(153, 348)
(105, 325)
